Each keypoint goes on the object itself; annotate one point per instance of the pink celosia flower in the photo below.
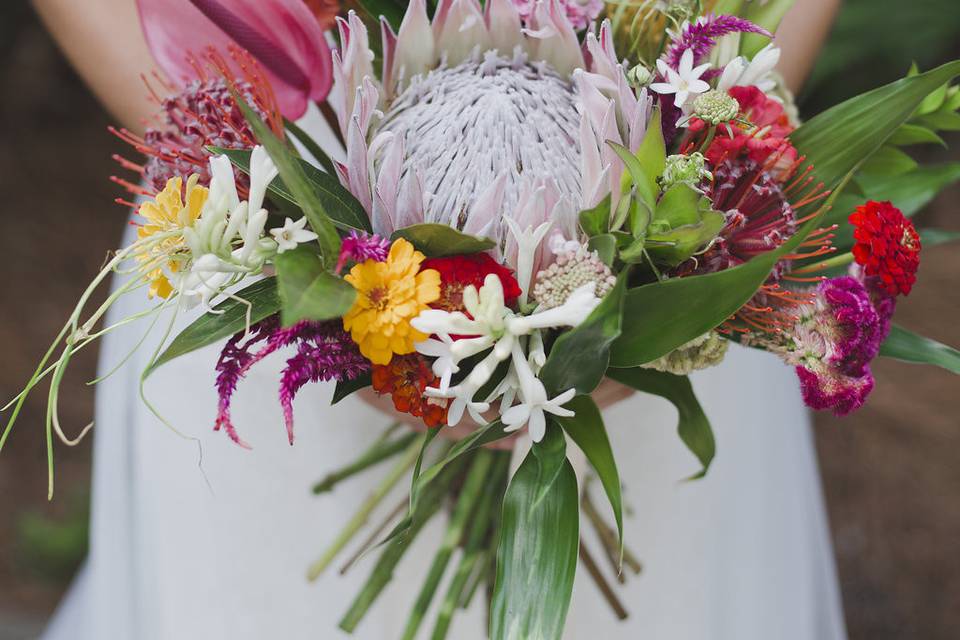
(702, 35)
(324, 352)
(836, 337)
(360, 246)
(282, 35)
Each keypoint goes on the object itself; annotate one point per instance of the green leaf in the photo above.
(933, 237)
(913, 191)
(909, 134)
(596, 221)
(888, 161)
(539, 542)
(345, 388)
(307, 290)
(693, 426)
(605, 245)
(680, 205)
(392, 11)
(292, 174)
(905, 345)
(579, 357)
(586, 428)
(647, 165)
(227, 318)
(311, 146)
(439, 240)
(765, 14)
(838, 139)
(943, 121)
(344, 209)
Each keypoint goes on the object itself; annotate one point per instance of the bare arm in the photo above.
(800, 36)
(103, 41)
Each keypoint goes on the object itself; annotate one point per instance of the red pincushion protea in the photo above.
(456, 272)
(405, 379)
(887, 246)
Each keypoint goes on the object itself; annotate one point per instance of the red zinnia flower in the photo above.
(456, 272)
(887, 245)
(405, 379)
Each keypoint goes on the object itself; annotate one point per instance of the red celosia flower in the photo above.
(766, 137)
(456, 272)
(887, 245)
(405, 379)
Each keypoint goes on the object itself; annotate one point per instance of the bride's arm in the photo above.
(800, 36)
(103, 41)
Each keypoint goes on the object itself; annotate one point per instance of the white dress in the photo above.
(185, 546)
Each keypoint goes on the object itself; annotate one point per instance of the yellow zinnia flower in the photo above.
(389, 295)
(168, 212)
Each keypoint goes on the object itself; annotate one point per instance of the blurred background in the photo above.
(890, 472)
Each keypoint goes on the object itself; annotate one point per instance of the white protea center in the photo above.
(496, 122)
(478, 116)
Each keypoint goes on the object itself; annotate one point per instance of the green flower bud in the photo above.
(714, 107)
(686, 169)
(639, 76)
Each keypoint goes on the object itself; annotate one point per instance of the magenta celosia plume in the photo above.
(324, 352)
(702, 35)
(282, 35)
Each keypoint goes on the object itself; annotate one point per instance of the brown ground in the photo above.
(890, 472)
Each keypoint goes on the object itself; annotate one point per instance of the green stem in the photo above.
(473, 551)
(428, 505)
(378, 452)
(836, 261)
(469, 494)
(608, 537)
(361, 516)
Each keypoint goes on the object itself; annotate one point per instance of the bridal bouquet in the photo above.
(528, 197)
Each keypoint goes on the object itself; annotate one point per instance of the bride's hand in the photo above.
(606, 395)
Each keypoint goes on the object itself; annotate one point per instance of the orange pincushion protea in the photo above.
(405, 379)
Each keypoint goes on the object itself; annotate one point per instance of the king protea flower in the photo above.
(478, 114)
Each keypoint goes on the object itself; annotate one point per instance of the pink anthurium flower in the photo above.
(282, 35)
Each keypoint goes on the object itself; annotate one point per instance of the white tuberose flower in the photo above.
(739, 73)
(292, 234)
(684, 82)
(534, 402)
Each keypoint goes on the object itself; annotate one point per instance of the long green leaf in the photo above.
(586, 428)
(765, 14)
(841, 137)
(537, 556)
(579, 357)
(307, 290)
(933, 237)
(227, 318)
(693, 426)
(311, 146)
(905, 345)
(438, 240)
(344, 209)
(292, 174)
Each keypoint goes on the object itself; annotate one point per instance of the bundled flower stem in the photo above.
(381, 450)
(360, 518)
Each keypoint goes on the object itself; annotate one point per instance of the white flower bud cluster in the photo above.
(572, 270)
(700, 353)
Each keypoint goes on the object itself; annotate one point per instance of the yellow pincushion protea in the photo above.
(389, 295)
(168, 212)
